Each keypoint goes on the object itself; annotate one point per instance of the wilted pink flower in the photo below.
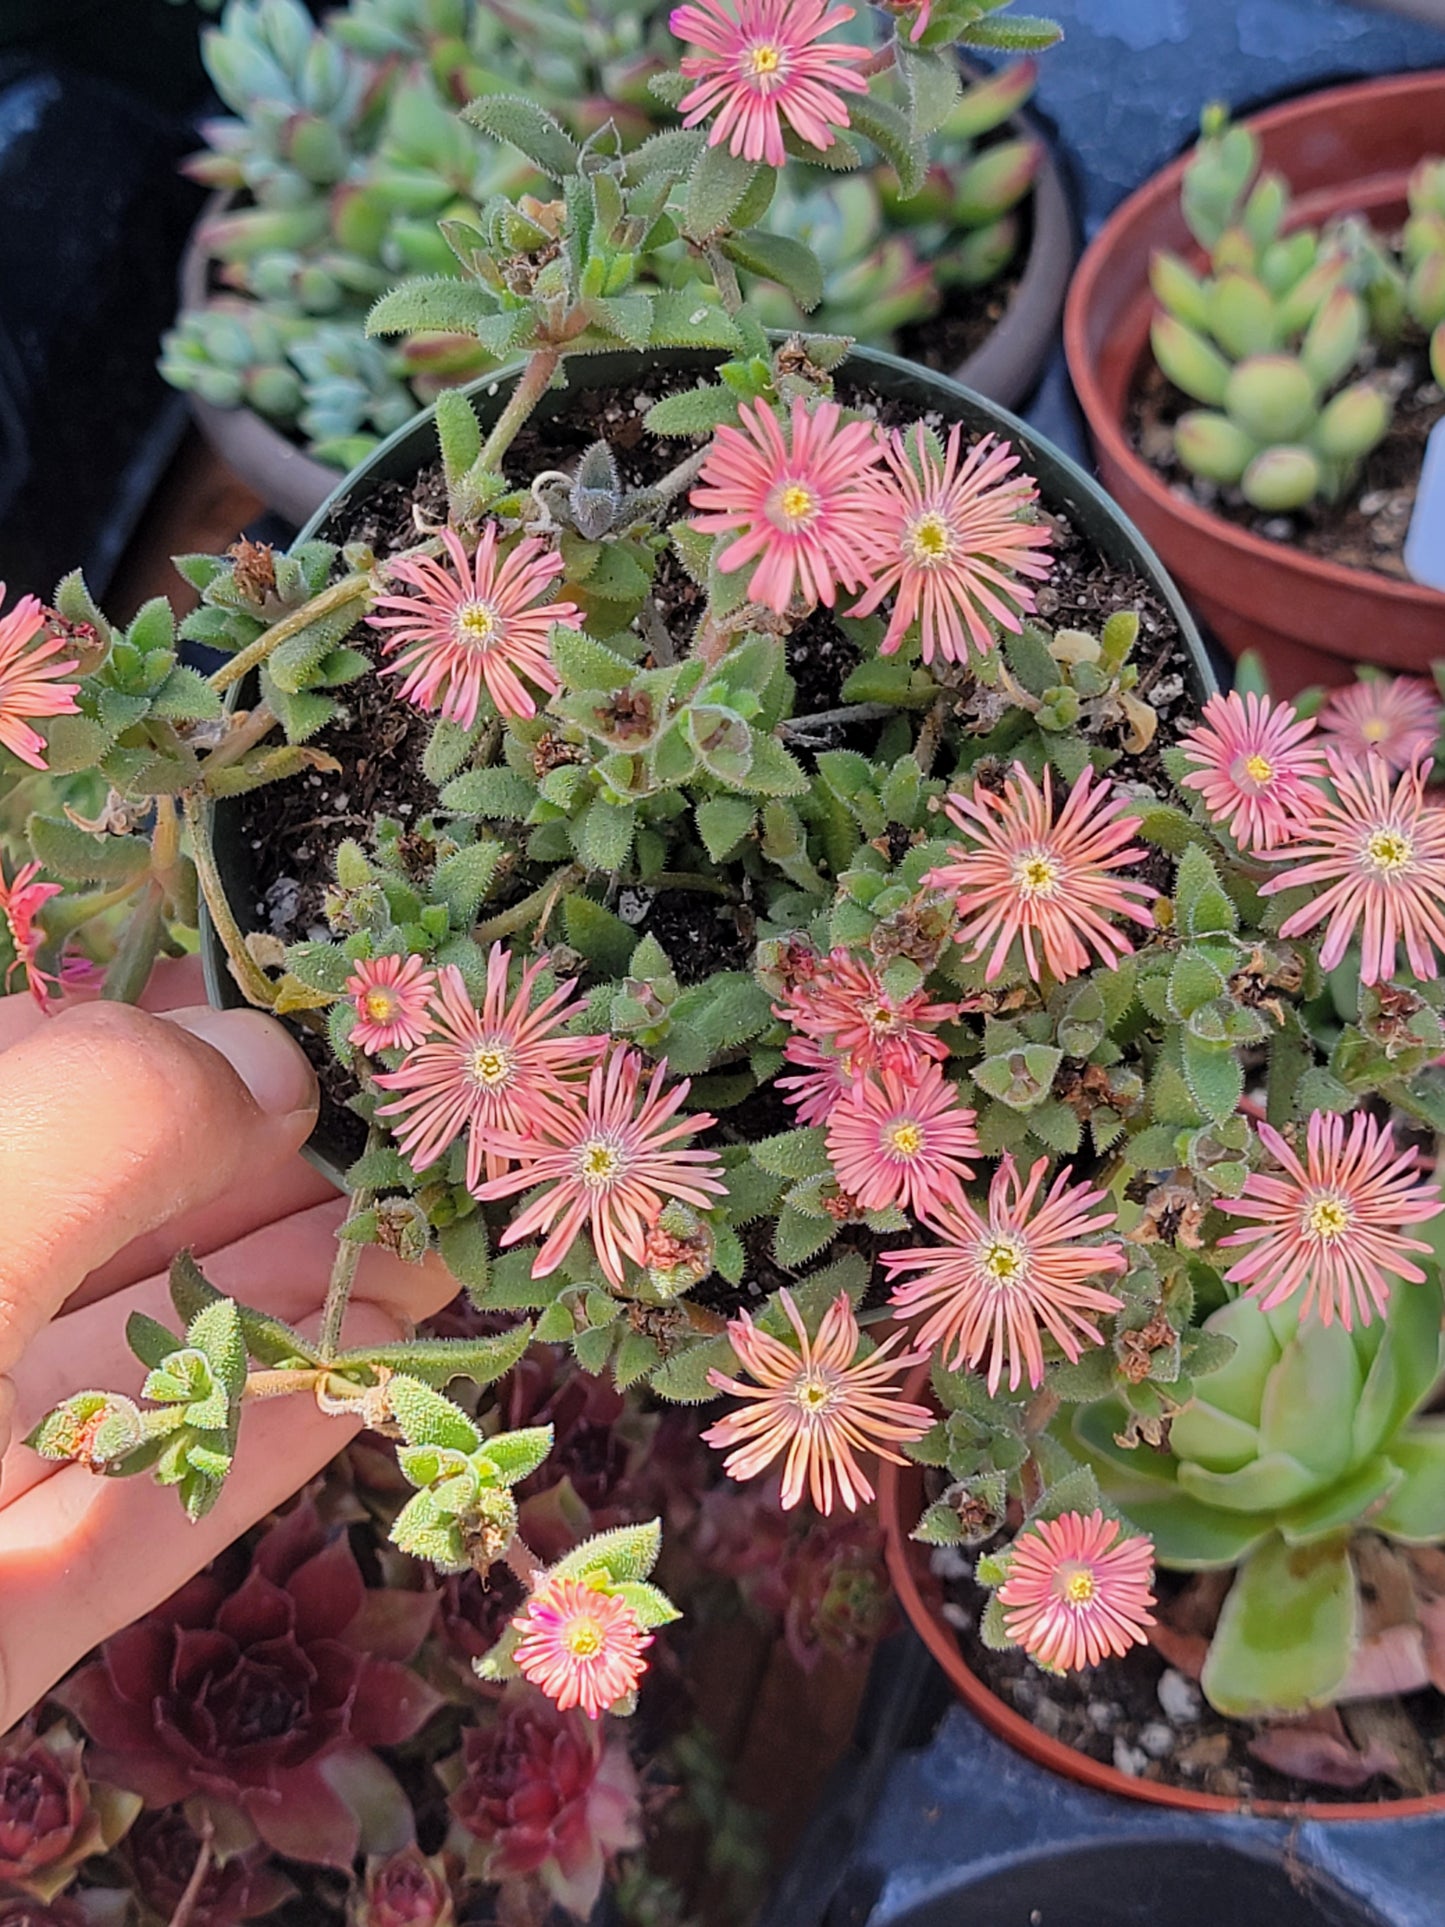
(1381, 854)
(32, 662)
(608, 1166)
(1043, 882)
(1331, 1227)
(765, 62)
(827, 1078)
(820, 1404)
(580, 1645)
(798, 507)
(391, 995)
(481, 622)
(950, 543)
(262, 1686)
(547, 1794)
(994, 1285)
(1078, 1590)
(893, 1141)
(922, 11)
(1252, 763)
(1396, 718)
(844, 1005)
(494, 1072)
(20, 903)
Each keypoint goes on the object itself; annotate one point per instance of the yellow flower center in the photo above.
(1258, 770)
(491, 1065)
(1079, 1586)
(814, 1392)
(1037, 874)
(764, 60)
(583, 1639)
(1003, 1258)
(1327, 1218)
(1390, 851)
(379, 1005)
(905, 1139)
(796, 503)
(929, 541)
(882, 1018)
(477, 624)
(599, 1163)
(1375, 730)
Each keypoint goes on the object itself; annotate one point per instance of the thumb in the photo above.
(113, 1122)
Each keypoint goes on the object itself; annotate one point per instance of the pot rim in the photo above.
(904, 1558)
(1100, 263)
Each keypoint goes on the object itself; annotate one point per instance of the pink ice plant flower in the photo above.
(1332, 1226)
(993, 1285)
(392, 997)
(483, 623)
(797, 506)
(1048, 884)
(21, 901)
(500, 1070)
(607, 1164)
(1078, 1590)
(950, 543)
(1373, 858)
(818, 1403)
(764, 62)
(845, 1006)
(825, 1079)
(1394, 717)
(1253, 763)
(33, 665)
(580, 1645)
(902, 1141)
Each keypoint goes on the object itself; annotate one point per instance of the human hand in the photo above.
(126, 1136)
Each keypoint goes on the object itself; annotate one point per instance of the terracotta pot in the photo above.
(1063, 486)
(1350, 149)
(900, 1506)
(1005, 369)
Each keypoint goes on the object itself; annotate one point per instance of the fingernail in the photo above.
(270, 1064)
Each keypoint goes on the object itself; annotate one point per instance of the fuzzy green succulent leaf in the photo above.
(426, 1418)
(1286, 1634)
(620, 1557)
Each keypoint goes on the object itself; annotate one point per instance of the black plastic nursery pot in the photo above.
(1064, 489)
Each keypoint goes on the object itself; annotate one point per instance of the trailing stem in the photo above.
(348, 1257)
(533, 382)
(351, 588)
(255, 985)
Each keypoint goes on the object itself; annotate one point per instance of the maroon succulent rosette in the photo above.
(263, 1691)
(160, 1855)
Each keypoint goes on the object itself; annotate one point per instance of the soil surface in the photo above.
(1149, 1720)
(290, 831)
(946, 340)
(1368, 529)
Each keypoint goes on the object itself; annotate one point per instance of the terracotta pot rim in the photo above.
(904, 1558)
(1112, 443)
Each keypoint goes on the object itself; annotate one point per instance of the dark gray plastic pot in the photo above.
(1063, 485)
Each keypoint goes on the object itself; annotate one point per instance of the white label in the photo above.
(1425, 544)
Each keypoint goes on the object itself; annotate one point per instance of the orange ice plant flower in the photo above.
(1049, 883)
(580, 1645)
(818, 1404)
(33, 666)
(764, 62)
(1078, 1591)
(607, 1163)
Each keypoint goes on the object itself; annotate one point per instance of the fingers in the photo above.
(174, 983)
(113, 1122)
(281, 1269)
(82, 1556)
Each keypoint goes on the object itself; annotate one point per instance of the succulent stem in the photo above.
(348, 1257)
(255, 984)
(351, 588)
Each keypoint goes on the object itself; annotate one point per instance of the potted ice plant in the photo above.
(749, 839)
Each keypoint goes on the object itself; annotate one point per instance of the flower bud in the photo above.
(406, 1889)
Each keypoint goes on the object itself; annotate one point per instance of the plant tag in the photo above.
(1425, 544)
